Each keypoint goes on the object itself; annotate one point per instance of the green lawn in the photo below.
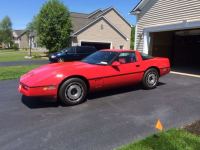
(13, 55)
(14, 72)
(174, 139)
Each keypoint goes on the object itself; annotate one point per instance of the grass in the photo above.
(174, 139)
(16, 55)
(14, 72)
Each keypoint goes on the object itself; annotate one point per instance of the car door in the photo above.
(128, 72)
(71, 54)
(79, 53)
(91, 50)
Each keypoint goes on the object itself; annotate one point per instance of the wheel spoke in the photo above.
(74, 92)
(152, 79)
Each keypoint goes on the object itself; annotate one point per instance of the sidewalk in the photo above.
(23, 63)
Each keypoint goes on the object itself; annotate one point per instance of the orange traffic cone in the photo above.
(159, 125)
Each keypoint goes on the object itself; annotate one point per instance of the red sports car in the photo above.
(70, 82)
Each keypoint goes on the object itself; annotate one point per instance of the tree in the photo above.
(6, 31)
(1, 38)
(132, 37)
(53, 25)
(32, 26)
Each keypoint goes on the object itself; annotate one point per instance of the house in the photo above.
(169, 28)
(24, 40)
(103, 29)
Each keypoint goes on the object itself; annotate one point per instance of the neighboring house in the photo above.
(23, 40)
(103, 29)
(169, 28)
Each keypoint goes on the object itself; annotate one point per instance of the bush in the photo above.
(15, 46)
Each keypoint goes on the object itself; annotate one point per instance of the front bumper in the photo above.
(53, 60)
(37, 91)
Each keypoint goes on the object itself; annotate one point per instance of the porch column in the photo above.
(146, 42)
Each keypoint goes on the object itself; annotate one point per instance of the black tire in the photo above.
(73, 92)
(150, 79)
(60, 60)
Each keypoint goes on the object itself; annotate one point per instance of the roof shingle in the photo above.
(80, 20)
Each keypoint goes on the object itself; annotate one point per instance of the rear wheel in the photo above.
(73, 91)
(150, 79)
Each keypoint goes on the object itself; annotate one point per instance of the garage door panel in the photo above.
(181, 47)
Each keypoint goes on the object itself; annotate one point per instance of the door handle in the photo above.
(137, 65)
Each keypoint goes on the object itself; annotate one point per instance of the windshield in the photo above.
(100, 58)
(68, 49)
(64, 50)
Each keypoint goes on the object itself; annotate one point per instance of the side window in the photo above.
(71, 50)
(85, 50)
(79, 50)
(128, 57)
(145, 56)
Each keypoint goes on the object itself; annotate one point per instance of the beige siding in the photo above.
(165, 12)
(119, 23)
(96, 34)
(24, 41)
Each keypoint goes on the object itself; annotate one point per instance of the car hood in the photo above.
(58, 54)
(46, 74)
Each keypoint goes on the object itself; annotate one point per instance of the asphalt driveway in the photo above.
(107, 120)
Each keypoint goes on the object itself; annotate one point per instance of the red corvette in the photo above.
(105, 69)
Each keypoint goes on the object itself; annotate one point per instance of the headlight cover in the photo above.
(53, 56)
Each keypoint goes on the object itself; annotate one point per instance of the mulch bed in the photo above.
(193, 128)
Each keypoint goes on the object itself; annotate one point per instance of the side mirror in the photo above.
(116, 64)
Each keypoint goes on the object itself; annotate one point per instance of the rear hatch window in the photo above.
(146, 56)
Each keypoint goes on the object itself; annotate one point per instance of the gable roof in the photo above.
(115, 10)
(98, 11)
(139, 6)
(19, 32)
(80, 21)
(97, 20)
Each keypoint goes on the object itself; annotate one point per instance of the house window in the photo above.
(121, 46)
(102, 27)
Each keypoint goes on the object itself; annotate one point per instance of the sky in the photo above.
(21, 12)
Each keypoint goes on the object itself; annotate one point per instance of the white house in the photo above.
(169, 28)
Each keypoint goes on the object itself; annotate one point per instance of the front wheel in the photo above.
(73, 91)
(150, 79)
(60, 60)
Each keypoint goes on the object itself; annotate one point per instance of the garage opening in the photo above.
(98, 45)
(181, 47)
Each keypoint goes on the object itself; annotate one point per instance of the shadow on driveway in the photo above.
(116, 91)
(39, 102)
(45, 102)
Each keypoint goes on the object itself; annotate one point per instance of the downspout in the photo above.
(135, 41)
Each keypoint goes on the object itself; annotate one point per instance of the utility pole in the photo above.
(30, 44)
